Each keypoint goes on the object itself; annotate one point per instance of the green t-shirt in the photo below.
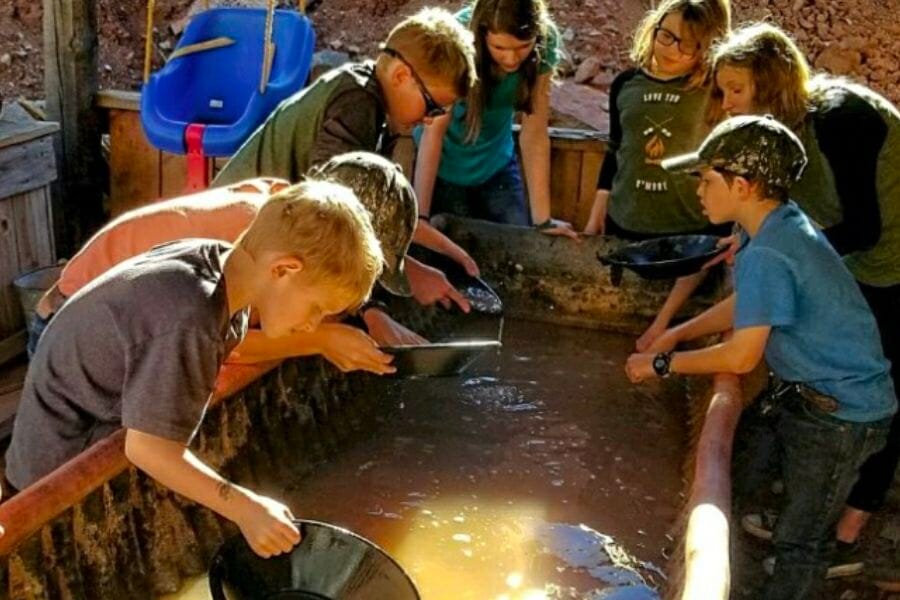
(473, 164)
(342, 111)
(658, 119)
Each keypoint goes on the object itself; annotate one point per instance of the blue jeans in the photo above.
(35, 330)
(820, 460)
(500, 199)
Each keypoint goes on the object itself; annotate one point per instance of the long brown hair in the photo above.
(522, 19)
(707, 20)
(781, 76)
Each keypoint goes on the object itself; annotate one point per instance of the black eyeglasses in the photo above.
(667, 38)
(432, 108)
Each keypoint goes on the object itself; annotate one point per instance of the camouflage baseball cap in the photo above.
(386, 193)
(756, 147)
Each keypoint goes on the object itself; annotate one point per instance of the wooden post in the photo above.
(70, 84)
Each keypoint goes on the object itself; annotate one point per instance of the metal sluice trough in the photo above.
(97, 528)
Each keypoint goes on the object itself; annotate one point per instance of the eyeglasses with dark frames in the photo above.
(667, 38)
(432, 108)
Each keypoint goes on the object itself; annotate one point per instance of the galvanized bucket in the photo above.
(32, 285)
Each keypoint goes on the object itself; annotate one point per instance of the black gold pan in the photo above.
(438, 360)
(664, 258)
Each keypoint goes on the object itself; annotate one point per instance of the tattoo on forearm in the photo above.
(225, 490)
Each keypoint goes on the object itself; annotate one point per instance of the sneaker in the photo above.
(760, 525)
(845, 562)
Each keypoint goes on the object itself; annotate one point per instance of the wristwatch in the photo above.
(661, 364)
(548, 224)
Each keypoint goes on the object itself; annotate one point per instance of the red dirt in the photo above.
(854, 37)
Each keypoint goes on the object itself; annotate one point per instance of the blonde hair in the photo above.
(707, 20)
(323, 224)
(438, 47)
(781, 77)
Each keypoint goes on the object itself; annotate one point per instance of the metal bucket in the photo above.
(32, 285)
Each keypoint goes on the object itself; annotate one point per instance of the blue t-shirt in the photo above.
(473, 164)
(823, 332)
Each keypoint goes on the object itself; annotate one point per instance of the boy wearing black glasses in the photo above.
(426, 63)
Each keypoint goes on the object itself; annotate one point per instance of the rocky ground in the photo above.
(858, 38)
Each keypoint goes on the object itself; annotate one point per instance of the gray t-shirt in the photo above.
(138, 347)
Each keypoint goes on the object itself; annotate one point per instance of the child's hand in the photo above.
(650, 336)
(640, 367)
(267, 525)
(388, 332)
(350, 349)
(733, 242)
(430, 285)
(666, 342)
(559, 228)
(596, 224)
(468, 263)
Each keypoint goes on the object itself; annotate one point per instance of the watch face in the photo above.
(660, 365)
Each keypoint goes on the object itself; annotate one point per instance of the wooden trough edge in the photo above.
(38, 504)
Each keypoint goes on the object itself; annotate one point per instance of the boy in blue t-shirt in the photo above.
(796, 304)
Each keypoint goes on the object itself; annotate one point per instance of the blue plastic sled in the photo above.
(219, 88)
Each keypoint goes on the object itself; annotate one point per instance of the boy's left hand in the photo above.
(639, 367)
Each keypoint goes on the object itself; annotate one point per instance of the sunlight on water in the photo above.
(458, 549)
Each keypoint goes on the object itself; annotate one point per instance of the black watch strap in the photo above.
(662, 364)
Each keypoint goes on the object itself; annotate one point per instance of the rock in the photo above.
(568, 35)
(353, 50)
(840, 61)
(336, 44)
(325, 60)
(587, 70)
(6, 59)
(581, 102)
(603, 79)
(165, 45)
(566, 65)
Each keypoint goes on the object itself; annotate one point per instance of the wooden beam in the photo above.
(13, 346)
(70, 84)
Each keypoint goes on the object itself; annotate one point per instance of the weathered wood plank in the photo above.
(31, 237)
(565, 182)
(18, 127)
(10, 312)
(134, 165)
(26, 166)
(41, 217)
(70, 82)
(119, 100)
(12, 346)
(590, 170)
(173, 175)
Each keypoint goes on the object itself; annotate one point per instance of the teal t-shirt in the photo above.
(473, 164)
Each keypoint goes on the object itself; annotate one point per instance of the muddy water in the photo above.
(543, 475)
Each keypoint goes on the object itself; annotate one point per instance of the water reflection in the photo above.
(478, 487)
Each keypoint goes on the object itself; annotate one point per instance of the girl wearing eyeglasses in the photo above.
(657, 110)
(466, 162)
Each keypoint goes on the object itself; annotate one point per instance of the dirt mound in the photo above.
(858, 38)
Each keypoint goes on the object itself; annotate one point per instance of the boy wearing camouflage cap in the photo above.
(223, 213)
(831, 397)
